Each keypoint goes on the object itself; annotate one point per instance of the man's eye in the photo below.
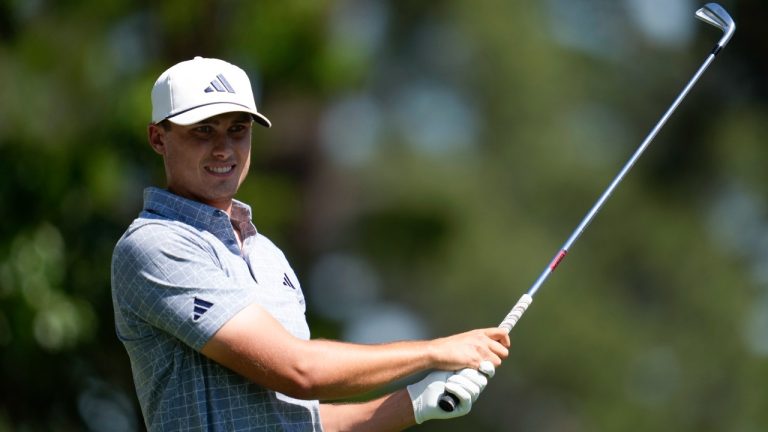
(204, 129)
(237, 128)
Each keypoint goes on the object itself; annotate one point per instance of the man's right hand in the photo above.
(469, 349)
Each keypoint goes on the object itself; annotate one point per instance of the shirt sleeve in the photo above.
(168, 277)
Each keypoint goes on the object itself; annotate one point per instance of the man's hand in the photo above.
(469, 349)
(465, 385)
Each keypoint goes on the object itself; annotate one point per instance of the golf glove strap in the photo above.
(466, 385)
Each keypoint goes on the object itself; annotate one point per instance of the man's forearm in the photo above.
(325, 370)
(392, 412)
(341, 370)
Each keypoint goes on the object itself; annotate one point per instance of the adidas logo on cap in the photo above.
(220, 84)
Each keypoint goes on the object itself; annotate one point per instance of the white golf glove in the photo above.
(466, 385)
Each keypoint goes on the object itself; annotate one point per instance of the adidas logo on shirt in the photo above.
(200, 307)
(220, 84)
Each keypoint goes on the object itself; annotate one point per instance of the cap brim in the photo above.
(198, 114)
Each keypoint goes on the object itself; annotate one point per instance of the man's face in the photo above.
(206, 161)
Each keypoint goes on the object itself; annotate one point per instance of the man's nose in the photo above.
(222, 147)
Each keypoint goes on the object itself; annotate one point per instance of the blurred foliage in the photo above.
(452, 146)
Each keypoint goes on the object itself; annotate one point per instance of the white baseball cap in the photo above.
(197, 89)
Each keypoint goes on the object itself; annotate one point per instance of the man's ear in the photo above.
(156, 135)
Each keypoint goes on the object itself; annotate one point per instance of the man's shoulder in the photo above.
(159, 246)
(148, 233)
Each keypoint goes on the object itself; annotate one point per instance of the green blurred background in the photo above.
(427, 160)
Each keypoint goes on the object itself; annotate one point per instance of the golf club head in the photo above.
(714, 14)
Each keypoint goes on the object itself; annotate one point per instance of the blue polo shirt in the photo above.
(178, 274)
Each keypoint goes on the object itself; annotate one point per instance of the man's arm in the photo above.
(392, 412)
(256, 346)
(415, 404)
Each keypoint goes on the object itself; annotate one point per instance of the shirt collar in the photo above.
(165, 204)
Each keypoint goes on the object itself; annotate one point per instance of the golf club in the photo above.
(712, 14)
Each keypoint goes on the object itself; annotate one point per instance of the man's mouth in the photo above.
(220, 169)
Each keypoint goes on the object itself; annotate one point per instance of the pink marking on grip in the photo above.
(558, 258)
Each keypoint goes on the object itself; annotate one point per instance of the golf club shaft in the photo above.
(511, 319)
(448, 401)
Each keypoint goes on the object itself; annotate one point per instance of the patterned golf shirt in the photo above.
(178, 274)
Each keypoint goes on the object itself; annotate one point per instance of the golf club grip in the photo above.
(517, 311)
(447, 401)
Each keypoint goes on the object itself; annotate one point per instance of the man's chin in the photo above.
(219, 200)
